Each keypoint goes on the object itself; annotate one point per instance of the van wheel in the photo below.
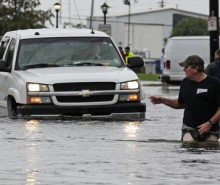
(12, 108)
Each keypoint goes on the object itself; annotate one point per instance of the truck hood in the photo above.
(77, 74)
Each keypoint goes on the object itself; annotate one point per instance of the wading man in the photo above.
(199, 96)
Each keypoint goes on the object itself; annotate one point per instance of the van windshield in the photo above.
(67, 52)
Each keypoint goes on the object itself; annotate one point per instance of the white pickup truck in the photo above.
(68, 72)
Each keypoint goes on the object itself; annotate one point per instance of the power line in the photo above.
(77, 12)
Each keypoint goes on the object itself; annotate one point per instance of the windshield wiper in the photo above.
(40, 65)
(88, 64)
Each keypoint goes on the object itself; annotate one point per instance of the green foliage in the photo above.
(22, 14)
(190, 27)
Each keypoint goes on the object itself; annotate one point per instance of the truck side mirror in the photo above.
(135, 62)
(3, 66)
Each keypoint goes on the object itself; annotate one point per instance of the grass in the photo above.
(147, 77)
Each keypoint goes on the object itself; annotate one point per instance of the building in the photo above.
(148, 30)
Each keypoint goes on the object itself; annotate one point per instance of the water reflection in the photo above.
(31, 178)
(32, 130)
(32, 126)
(131, 129)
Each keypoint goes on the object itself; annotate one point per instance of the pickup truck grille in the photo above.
(91, 86)
(85, 99)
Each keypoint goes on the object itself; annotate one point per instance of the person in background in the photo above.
(128, 53)
(199, 97)
(162, 60)
(122, 52)
(213, 69)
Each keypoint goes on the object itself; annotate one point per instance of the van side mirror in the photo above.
(135, 62)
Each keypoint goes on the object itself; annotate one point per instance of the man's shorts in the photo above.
(195, 134)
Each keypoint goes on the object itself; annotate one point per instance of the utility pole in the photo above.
(127, 2)
(213, 26)
(61, 12)
(91, 16)
(16, 14)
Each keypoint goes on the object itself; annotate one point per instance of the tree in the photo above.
(190, 27)
(22, 14)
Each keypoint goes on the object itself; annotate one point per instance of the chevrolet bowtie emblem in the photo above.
(85, 93)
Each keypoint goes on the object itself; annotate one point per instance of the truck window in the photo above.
(10, 53)
(3, 47)
(67, 52)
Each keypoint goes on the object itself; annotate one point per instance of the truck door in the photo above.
(6, 53)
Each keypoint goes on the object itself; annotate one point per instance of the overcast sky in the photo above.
(77, 11)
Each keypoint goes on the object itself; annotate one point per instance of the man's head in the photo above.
(120, 48)
(217, 54)
(127, 49)
(194, 61)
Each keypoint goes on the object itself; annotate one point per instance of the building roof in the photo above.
(149, 11)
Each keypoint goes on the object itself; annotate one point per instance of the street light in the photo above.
(127, 2)
(57, 7)
(104, 8)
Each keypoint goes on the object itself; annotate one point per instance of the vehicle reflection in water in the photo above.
(131, 129)
(32, 129)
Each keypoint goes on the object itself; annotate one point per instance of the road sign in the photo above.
(105, 28)
(212, 23)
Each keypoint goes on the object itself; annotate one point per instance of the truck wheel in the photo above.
(12, 108)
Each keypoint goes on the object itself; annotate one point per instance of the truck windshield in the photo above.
(65, 52)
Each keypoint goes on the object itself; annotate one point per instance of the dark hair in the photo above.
(217, 52)
(198, 68)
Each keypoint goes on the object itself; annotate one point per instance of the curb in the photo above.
(151, 83)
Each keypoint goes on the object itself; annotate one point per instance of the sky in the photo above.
(76, 11)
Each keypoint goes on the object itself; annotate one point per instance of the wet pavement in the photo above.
(89, 152)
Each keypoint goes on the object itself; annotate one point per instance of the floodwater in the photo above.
(89, 152)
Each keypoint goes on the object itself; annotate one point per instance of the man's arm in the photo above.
(173, 103)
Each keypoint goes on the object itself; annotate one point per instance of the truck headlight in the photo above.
(38, 100)
(129, 97)
(34, 87)
(130, 85)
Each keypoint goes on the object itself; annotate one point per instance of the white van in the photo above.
(178, 49)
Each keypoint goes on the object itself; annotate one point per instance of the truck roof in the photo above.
(58, 32)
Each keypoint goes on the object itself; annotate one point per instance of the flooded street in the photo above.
(88, 152)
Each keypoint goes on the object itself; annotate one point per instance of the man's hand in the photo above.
(155, 99)
(204, 128)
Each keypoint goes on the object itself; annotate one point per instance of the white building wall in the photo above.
(146, 38)
(147, 29)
